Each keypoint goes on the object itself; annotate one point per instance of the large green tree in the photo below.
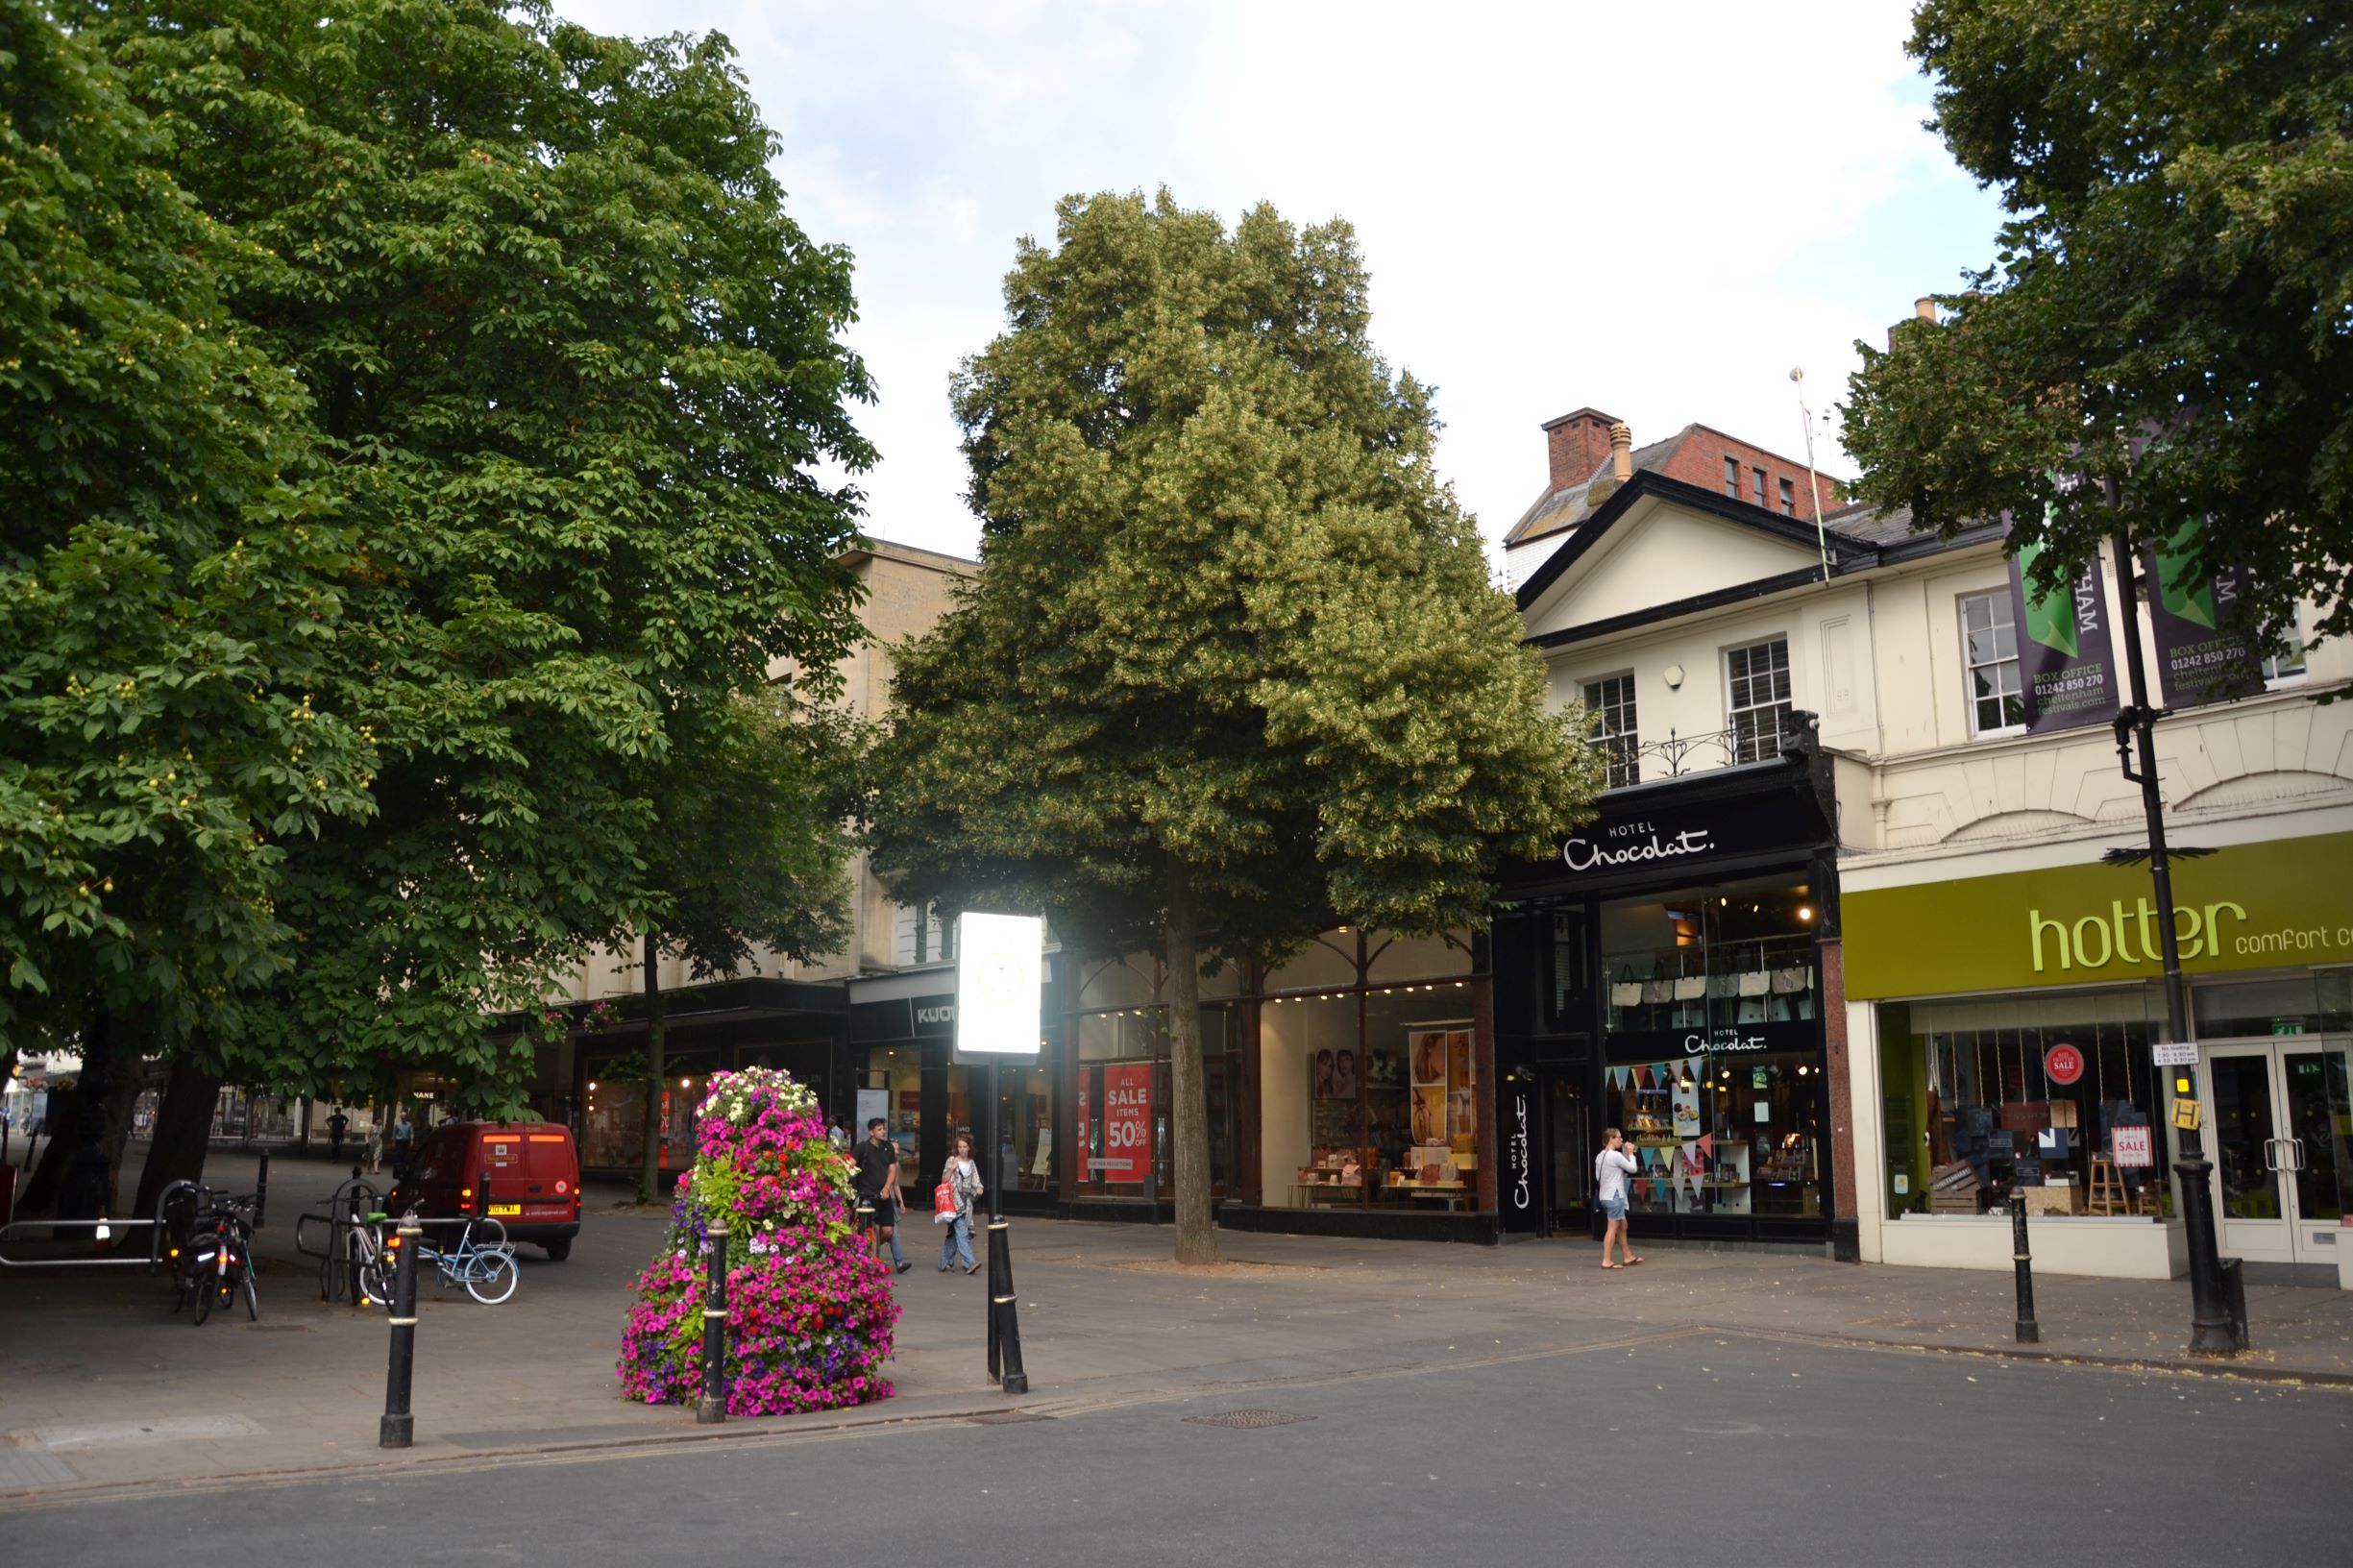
(2172, 305)
(1233, 668)
(576, 373)
(170, 596)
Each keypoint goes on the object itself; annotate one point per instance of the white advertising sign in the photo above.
(1000, 970)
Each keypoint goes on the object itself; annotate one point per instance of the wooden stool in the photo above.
(2107, 1195)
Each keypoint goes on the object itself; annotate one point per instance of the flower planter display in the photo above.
(810, 1311)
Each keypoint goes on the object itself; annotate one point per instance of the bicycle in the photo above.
(219, 1260)
(487, 1272)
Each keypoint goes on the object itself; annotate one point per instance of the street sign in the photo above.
(2063, 1064)
(2183, 1055)
(1000, 968)
(2185, 1116)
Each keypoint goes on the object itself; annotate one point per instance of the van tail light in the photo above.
(465, 1192)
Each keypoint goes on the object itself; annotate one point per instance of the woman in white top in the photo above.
(963, 1177)
(1611, 1167)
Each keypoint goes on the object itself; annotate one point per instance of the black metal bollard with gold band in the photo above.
(714, 1406)
(2029, 1332)
(399, 1426)
(1004, 1316)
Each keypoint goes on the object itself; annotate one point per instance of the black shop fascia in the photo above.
(1662, 974)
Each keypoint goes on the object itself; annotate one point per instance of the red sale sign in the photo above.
(2132, 1146)
(1127, 1123)
(2063, 1064)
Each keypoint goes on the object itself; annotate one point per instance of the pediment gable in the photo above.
(1661, 552)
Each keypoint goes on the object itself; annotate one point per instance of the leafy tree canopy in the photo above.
(2172, 303)
(1232, 668)
(171, 580)
(575, 370)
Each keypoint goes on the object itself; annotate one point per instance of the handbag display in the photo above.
(1690, 987)
(1790, 981)
(1625, 994)
(1755, 983)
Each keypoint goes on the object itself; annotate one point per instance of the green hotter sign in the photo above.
(2258, 906)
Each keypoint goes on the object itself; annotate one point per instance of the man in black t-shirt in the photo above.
(877, 1161)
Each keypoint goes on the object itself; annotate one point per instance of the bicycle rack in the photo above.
(339, 1272)
(103, 1229)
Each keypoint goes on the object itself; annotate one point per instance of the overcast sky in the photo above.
(1656, 209)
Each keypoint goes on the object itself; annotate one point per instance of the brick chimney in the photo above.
(1576, 443)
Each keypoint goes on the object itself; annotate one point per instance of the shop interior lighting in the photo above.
(1805, 911)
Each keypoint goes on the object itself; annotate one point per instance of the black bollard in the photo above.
(399, 1426)
(261, 1192)
(1004, 1316)
(2028, 1332)
(714, 1406)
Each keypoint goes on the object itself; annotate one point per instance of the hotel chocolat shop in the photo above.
(1663, 976)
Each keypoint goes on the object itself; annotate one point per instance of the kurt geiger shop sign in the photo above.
(2257, 906)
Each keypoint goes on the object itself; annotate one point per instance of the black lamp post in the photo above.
(2210, 1321)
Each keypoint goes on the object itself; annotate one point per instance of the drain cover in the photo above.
(1005, 1418)
(1248, 1418)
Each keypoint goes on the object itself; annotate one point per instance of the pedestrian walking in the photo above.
(403, 1145)
(376, 1143)
(878, 1187)
(1611, 1167)
(336, 1126)
(835, 1135)
(961, 1179)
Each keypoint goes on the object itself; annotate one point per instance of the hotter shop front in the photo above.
(2004, 1031)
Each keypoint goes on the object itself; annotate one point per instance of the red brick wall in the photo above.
(1700, 461)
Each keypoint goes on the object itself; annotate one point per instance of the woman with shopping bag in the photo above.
(951, 1205)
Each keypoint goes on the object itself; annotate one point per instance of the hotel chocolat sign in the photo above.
(1519, 1162)
(1667, 842)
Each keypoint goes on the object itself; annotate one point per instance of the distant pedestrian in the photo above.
(376, 1143)
(336, 1126)
(877, 1188)
(1611, 1167)
(7, 1124)
(962, 1177)
(404, 1146)
(837, 1137)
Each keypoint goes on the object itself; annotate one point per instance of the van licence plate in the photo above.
(500, 1209)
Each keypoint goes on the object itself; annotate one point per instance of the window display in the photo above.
(1721, 1134)
(2053, 1093)
(1368, 1092)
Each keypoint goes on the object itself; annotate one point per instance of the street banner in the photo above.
(2198, 660)
(1127, 1123)
(2064, 656)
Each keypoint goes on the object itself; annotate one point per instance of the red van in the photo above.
(524, 1174)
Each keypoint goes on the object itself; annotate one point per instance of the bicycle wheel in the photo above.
(253, 1294)
(490, 1278)
(208, 1285)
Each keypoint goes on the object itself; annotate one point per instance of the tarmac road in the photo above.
(1694, 1448)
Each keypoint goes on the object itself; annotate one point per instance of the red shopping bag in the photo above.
(943, 1202)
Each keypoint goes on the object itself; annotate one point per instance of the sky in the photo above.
(1656, 210)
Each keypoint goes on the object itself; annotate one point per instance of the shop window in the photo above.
(1369, 1095)
(1568, 987)
(2285, 1005)
(1732, 960)
(1989, 647)
(1124, 1106)
(1759, 680)
(1616, 731)
(1327, 961)
(1730, 1133)
(1977, 1099)
(1393, 959)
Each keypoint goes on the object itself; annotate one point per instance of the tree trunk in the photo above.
(84, 1178)
(122, 1104)
(184, 1132)
(649, 1175)
(1196, 1233)
(58, 1144)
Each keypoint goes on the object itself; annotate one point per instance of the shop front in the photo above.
(902, 1032)
(2012, 1025)
(1664, 976)
(797, 1026)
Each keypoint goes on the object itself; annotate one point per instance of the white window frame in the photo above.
(1786, 703)
(2275, 674)
(1624, 760)
(1999, 598)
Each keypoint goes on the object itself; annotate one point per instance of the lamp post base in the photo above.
(2212, 1332)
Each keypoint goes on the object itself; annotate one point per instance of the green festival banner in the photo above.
(2201, 657)
(2064, 654)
